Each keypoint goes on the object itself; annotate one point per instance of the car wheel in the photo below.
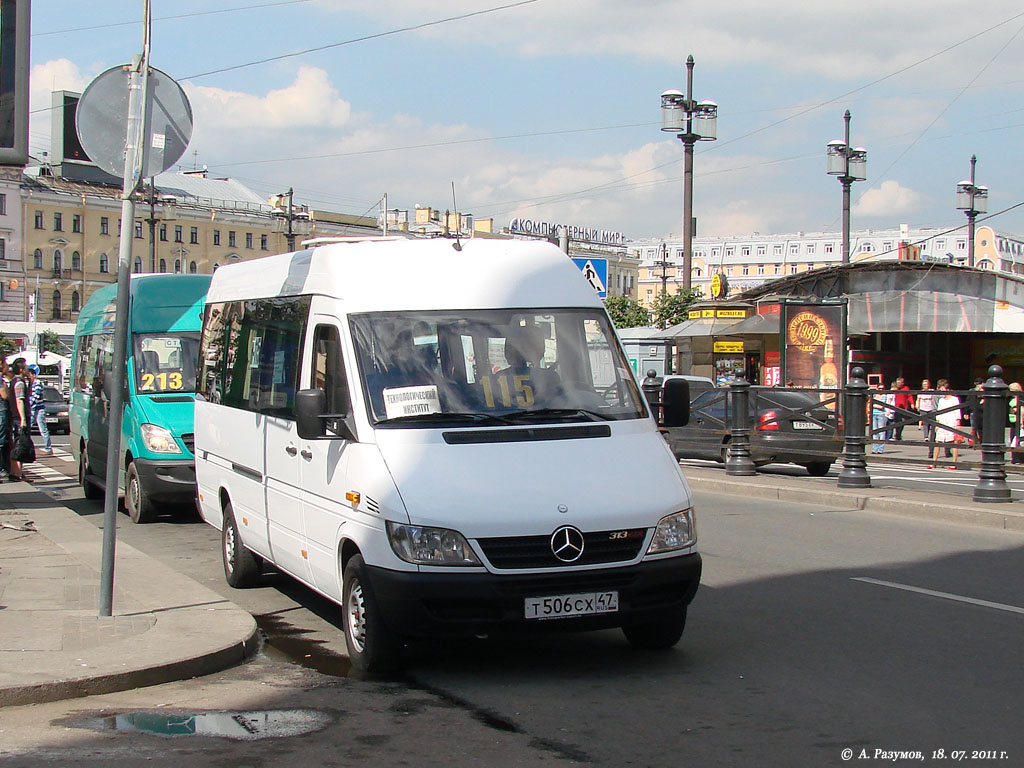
(657, 635)
(818, 468)
(90, 490)
(242, 568)
(140, 507)
(372, 646)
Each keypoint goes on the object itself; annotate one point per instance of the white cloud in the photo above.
(887, 201)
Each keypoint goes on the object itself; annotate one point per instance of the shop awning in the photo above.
(700, 327)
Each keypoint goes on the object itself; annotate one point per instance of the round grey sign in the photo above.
(103, 121)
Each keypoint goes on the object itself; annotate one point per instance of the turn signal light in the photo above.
(352, 497)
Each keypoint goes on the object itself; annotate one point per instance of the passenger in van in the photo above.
(404, 364)
(525, 380)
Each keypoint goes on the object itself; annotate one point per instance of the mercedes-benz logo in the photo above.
(567, 544)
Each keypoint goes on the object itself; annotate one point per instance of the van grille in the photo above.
(535, 551)
(190, 442)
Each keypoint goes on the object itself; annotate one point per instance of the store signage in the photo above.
(579, 234)
(719, 285)
(813, 344)
(729, 347)
(731, 313)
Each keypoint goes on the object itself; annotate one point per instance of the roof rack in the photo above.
(315, 241)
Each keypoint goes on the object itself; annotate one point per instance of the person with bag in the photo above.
(37, 408)
(6, 440)
(19, 391)
(946, 422)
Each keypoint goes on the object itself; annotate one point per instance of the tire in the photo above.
(90, 490)
(818, 468)
(242, 568)
(372, 646)
(657, 635)
(140, 508)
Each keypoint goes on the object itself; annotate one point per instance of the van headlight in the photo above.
(158, 440)
(674, 532)
(430, 546)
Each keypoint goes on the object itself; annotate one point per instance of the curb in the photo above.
(194, 632)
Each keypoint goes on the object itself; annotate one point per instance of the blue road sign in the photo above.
(596, 272)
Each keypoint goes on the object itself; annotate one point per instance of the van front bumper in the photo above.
(432, 604)
(167, 481)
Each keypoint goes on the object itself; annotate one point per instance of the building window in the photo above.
(58, 222)
(794, 249)
(760, 269)
(104, 263)
(792, 269)
(56, 304)
(865, 247)
(76, 262)
(940, 244)
(39, 219)
(828, 247)
(216, 237)
(104, 225)
(193, 235)
(679, 253)
(887, 245)
(177, 266)
(730, 251)
(715, 252)
(3, 249)
(745, 251)
(58, 262)
(163, 233)
(37, 259)
(193, 268)
(3, 205)
(811, 248)
(263, 242)
(76, 226)
(231, 238)
(746, 269)
(961, 245)
(777, 249)
(137, 266)
(778, 269)
(762, 250)
(163, 266)
(248, 240)
(138, 230)
(76, 302)
(177, 233)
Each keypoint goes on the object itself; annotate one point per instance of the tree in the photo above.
(671, 308)
(7, 346)
(49, 341)
(627, 312)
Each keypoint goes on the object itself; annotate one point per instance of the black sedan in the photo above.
(56, 411)
(786, 426)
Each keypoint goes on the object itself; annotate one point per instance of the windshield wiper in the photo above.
(442, 418)
(555, 413)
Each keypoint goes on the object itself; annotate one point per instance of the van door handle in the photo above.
(291, 450)
(307, 454)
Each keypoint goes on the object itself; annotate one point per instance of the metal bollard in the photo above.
(739, 461)
(992, 477)
(653, 393)
(855, 473)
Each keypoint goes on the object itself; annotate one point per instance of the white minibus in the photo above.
(444, 438)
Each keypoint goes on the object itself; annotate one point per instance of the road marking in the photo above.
(945, 595)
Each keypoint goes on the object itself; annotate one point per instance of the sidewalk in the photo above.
(54, 645)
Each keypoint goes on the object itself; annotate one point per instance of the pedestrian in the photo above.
(879, 418)
(976, 408)
(19, 414)
(925, 406)
(904, 401)
(1013, 414)
(947, 418)
(889, 399)
(6, 439)
(37, 408)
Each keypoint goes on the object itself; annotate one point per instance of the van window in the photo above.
(94, 365)
(165, 362)
(250, 353)
(494, 366)
(329, 368)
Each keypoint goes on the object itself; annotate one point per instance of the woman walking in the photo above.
(946, 421)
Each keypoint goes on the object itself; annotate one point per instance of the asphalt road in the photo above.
(810, 636)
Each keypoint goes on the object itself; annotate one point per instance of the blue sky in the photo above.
(550, 109)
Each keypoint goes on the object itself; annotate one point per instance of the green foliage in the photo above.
(7, 346)
(671, 308)
(49, 341)
(627, 312)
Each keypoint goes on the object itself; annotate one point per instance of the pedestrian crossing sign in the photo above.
(596, 273)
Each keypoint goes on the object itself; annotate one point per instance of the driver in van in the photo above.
(526, 382)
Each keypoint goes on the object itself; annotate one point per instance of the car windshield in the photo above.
(51, 395)
(485, 367)
(166, 362)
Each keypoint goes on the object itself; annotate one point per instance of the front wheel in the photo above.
(657, 635)
(372, 646)
(818, 468)
(140, 507)
(242, 568)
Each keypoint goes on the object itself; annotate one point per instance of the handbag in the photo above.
(24, 450)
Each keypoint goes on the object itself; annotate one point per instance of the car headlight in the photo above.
(430, 546)
(159, 440)
(674, 532)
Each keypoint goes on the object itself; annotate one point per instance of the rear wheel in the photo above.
(657, 635)
(140, 508)
(89, 489)
(372, 646)
(242, 568)
(818, 468)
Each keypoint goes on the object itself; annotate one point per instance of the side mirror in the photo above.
(675, 405)
(310, 406)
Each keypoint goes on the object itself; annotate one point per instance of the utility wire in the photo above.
(375, 36)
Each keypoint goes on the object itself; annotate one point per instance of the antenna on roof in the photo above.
(458, 224)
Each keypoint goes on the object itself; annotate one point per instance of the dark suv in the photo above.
(56, 411)
(786, 426)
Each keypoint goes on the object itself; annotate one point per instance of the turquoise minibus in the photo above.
(157, 464)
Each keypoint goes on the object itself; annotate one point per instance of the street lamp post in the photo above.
(283, 207)
(691, 121)
(849, 164)
(972, 200)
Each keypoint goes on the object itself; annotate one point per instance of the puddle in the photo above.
(239, 726)
(283, 639)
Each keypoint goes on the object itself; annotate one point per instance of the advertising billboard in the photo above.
(14, 44)
(813, 344)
